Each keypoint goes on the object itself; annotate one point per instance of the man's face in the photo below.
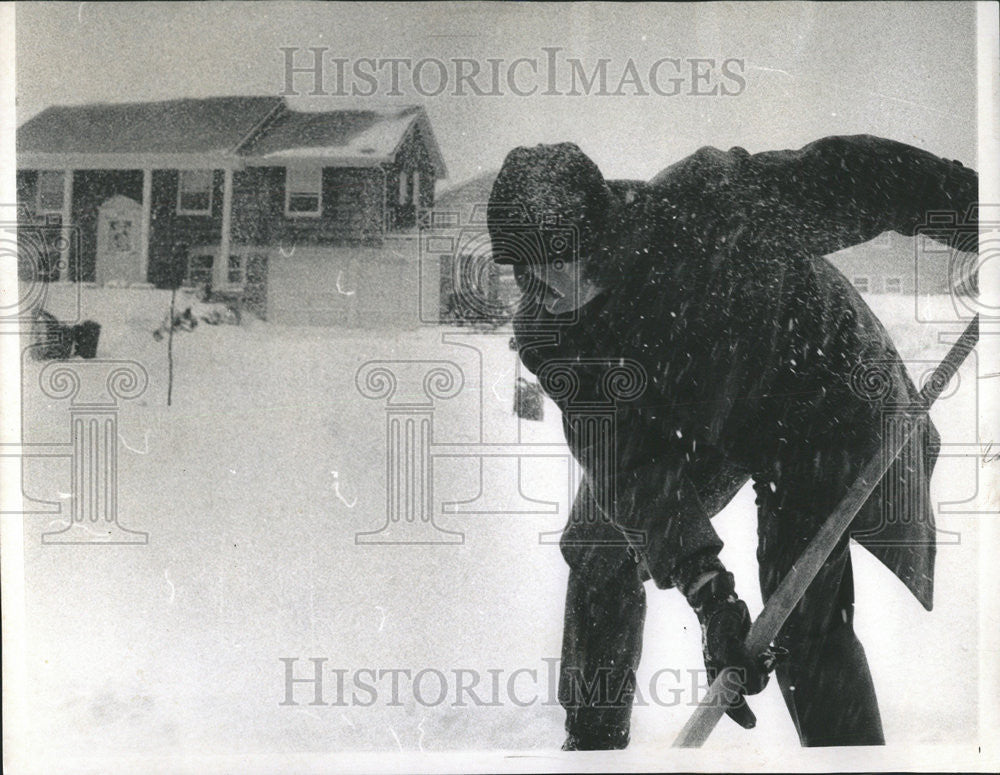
(563, 286)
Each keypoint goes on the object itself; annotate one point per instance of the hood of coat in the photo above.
(550, 203)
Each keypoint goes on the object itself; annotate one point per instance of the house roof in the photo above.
(475, 191)
(221, 131)
(342, 137)
(217, 124)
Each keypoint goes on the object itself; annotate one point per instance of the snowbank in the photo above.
(253, 487)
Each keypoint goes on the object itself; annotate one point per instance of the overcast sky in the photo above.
(905, 71)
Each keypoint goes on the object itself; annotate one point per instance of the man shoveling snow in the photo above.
(760, 362)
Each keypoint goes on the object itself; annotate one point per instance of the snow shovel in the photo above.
(791, 589)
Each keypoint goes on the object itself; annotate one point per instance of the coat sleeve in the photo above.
(671, 529)
(651, 498)
(841, 191)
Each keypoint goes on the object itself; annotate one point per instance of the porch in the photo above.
(125, 227)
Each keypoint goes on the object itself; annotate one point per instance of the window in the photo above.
(50, 191)
(893, 284)
(194, 192)
(861, 283)
(416, 187)
(235, 271)
(200, 269)
(303, 191)
(404, 187)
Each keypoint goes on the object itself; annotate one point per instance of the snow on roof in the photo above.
(256, 129)
(341, 136)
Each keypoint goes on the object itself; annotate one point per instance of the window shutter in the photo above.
(50, 191)
(403, 185)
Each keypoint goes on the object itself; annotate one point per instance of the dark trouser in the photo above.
(825, 681)
(602, 643)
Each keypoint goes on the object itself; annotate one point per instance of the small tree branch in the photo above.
(170, 348)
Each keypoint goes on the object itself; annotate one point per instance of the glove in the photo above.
(725, 622)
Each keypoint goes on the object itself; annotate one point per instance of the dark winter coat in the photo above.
(755, 351)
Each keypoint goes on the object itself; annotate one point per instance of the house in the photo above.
(895, 264)
(296, 202)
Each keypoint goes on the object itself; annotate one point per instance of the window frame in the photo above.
(181, 210)
(201, 266)
(897, 280)
(39, 210)
(318, 171)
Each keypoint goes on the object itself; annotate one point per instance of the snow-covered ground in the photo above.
(252, 487)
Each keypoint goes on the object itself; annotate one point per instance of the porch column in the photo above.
(220, 273)
(147, 202)
(67, 216)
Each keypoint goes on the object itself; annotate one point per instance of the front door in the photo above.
(118, 233)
